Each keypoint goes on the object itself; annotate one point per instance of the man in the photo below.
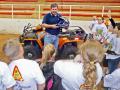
(50, 24)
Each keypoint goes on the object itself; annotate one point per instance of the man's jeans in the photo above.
(112, 64)
(53, 39)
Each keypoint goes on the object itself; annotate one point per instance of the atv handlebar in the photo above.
(27, 28)
(63, 23)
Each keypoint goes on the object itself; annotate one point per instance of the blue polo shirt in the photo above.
(51, 19)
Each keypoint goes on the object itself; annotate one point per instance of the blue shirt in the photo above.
(51, 19)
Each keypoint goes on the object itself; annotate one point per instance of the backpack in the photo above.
(53, 81)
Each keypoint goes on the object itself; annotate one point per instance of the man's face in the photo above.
(54, 10)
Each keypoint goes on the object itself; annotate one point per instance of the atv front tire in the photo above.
(31, 53)
(69, 52)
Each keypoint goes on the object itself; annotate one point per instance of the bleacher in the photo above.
(17, 8)
(86, 12)
(84, 1)
(18, 11)
(82, 11)
(18, 0)
(87, 2)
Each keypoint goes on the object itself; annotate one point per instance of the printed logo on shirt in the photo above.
(100, 31)
(16, 74)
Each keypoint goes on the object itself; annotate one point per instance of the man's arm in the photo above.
(49, 26)
(111, 19)
(112, 22)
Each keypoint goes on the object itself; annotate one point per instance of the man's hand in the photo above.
(54, 26)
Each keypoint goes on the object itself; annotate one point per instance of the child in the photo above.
(85, 75)
(47, 54)
(47, 60)
(113, 55)
(99, 28)
(53, 82)
(112, 81)
(27, 73)
(93, 22)
(6, 80)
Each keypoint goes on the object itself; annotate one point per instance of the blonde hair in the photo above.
(48, 52)
(91, 52)
(11, 48)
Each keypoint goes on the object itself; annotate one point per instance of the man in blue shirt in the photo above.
(49, 22)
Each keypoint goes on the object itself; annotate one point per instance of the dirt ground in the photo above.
(3, 38)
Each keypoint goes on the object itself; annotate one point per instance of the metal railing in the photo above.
(39, 10)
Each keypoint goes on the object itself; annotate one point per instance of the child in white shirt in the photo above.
(6, 80)
(112, 81)
(99, 30)
(85, 74)
(27, 73)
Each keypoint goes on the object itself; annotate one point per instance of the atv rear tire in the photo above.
(31, 53)
(69, 52)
